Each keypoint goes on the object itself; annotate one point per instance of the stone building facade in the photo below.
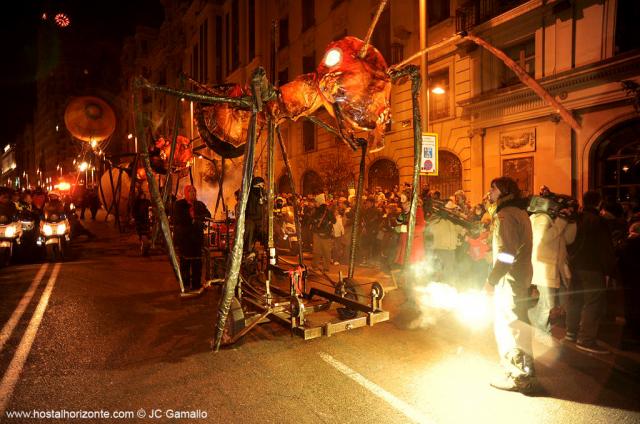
(488, 122)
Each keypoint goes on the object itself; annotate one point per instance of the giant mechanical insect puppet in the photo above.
(353, 83)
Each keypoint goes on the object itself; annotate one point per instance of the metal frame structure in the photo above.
(258, 296)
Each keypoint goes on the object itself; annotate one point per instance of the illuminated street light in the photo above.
(129, 136)
(83, 166)
(437, 90)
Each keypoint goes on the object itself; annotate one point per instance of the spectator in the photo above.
(444, 238)
(322, 226)
(189, 236)
(551, 235)
(93, 202)
(141, 208)
(629, 271)
(417, 246)
(370, 224)
(593, 260)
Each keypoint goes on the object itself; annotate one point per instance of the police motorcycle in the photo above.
(10, 234)
(55, 233)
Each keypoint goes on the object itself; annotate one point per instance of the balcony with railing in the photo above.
(475, 12)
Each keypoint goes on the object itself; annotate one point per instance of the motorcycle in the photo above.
(55, 235)
(10, 233)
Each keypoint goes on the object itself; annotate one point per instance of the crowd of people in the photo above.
(452, 230)
(541, 257)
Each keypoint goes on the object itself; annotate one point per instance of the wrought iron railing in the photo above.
(475, 12)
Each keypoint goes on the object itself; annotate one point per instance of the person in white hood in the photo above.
(549, 259)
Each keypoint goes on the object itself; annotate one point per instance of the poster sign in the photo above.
(429, 154)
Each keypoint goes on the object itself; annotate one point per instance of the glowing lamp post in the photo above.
(83, 168)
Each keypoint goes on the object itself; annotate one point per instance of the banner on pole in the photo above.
(429, 154)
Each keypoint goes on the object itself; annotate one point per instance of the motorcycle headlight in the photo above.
(47, 230)
(62, 228)
(10, 231)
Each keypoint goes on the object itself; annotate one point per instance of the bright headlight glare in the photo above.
(47, 230)
(10, 231)
(62, 228)
(333, 57)
(473, 309)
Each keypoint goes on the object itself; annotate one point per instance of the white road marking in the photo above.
(8, 328)
(12, 374)
(398, 404)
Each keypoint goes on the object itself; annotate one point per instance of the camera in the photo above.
(554, 205)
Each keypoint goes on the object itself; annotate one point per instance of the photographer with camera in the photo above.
(553, 229)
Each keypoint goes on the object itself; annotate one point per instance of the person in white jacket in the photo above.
(550, 263)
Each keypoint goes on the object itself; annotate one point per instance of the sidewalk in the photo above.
(610, 334)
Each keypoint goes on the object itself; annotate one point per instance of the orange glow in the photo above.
(63, 186)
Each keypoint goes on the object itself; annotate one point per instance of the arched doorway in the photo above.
(311, 183)
(383, 173)
(284, 186)
(449, 178)
(615, 163)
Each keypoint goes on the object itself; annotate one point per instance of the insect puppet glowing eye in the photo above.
(333, 57)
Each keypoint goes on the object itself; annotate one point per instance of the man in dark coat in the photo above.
(322, 222)
(254, 214)
(189, 216)
(629, 271)
(592, 260)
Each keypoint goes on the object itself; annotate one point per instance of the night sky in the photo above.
(105, 20)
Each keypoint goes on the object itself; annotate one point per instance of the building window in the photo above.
(251, 30)
(194, 62)
(383, 173)
(449, 178)
(308, 14)
(204, 44)
(616, 165)
(437, 11)
(381, 38)
(309, 63)
(439, 95)
(235, 34)
(283, 33)
(227, 21)
(283, 77)
(218, 52)
(524, 54)
(308, 136)
(311, 183)
(627, 18)
(397, 53)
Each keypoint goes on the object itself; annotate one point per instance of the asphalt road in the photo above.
(106, 332)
